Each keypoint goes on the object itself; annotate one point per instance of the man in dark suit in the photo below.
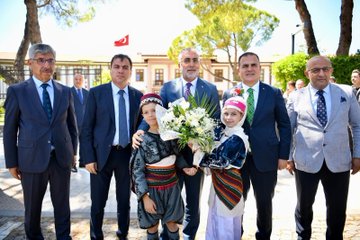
(105, 143)
(80, 95)
(40, 141)
(320, 116)
(189, 63)
(269, 131)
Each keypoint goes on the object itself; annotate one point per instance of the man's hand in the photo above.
(190, 171)
(136, 139)
(15, 172)
(91, 167)
(290, 167)
(282, 164)
(355, 165)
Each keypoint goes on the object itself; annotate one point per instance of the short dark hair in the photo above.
(121, 57)
(248, 54)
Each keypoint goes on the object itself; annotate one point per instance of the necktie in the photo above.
(79, 92)
(321, 108)
(123, 129)
(46, 103)
(250, 105)
(187, 90)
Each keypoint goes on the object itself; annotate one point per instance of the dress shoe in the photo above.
(74, 169)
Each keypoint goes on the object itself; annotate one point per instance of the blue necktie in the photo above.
(123, 129)
(46, 103)
(187, 91)
(80, 95)
(321, 108)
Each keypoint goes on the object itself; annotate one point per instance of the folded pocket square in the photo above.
(342, 99)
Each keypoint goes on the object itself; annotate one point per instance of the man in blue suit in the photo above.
(105, 143)
(269, 131)
(40, 141)
(80, 95)
(190, 83)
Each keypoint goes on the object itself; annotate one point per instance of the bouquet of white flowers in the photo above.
(188, 122)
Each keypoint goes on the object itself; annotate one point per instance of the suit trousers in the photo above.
(263, 184)
(34, 187)
(336, 187)
(117, 163)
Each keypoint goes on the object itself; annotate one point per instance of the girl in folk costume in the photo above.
(226, 204)
(153, 172)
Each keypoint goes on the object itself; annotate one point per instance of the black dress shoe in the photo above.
(74, 169)
(81, 165)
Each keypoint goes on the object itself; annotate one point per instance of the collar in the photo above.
(38, 82)
(193, 82)
(115, 89)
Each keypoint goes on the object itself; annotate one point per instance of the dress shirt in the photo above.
(116, 96)
(327, 96)
(40, 90)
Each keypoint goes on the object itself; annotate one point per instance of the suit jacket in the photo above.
(270, 131)
(312, 143)
(98, 129)
(28, 134)
(173, 90)
(79, 107)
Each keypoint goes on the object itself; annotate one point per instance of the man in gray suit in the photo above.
(40, 141)
(320, 115)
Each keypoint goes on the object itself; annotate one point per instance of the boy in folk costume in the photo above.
(154, 176)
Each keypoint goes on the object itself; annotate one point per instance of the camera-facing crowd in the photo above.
(311, 131)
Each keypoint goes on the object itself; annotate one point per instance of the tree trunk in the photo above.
(307, 27)
(345, 27)
(31, 35)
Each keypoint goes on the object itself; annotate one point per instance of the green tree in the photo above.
(290, 68)
(66, 12)
(105, 78)
(228, 26)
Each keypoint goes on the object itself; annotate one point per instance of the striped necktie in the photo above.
(250, 105)
(187, 90)
(46, 103)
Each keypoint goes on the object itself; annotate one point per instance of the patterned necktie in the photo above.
(187, 90)
(79, 92)
(123, 129)
(250, 105)
(321, 108)
(46, 103)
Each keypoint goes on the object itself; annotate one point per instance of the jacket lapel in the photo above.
(308, 106)
(261, 101)
(109, 95)
(57, 99)
(335, 102)
(33, 95)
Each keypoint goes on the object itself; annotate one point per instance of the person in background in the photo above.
(332, 79)
(268, 127)
(105, 143)
(290, 87)
(202, 90)
(355, 79)
(320, 115)
(80, 95)
(40, 141)
(299, 84)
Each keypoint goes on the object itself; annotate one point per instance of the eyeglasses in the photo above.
(317, 70)
(42, 61)
(188, 60)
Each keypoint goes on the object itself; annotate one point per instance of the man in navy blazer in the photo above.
(269, 136)
(320, 115)
(80, 95)
(189, 62)
(105, 144)
(40, 141)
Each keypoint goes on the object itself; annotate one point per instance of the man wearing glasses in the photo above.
(189, 84)
(40, 141)
(320, 114)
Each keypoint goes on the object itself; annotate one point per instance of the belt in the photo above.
(118, 147)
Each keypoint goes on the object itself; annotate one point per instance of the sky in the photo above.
(152, 26)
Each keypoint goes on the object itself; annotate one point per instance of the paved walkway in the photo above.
(11, 210)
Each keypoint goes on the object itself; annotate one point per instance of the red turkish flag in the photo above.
(122, 42)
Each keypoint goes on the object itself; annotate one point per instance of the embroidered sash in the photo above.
(228, 185)
(161, 177)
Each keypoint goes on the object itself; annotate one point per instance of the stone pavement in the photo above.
(11, 210)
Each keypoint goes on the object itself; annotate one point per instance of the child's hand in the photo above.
(149, 204)
(190, 171)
